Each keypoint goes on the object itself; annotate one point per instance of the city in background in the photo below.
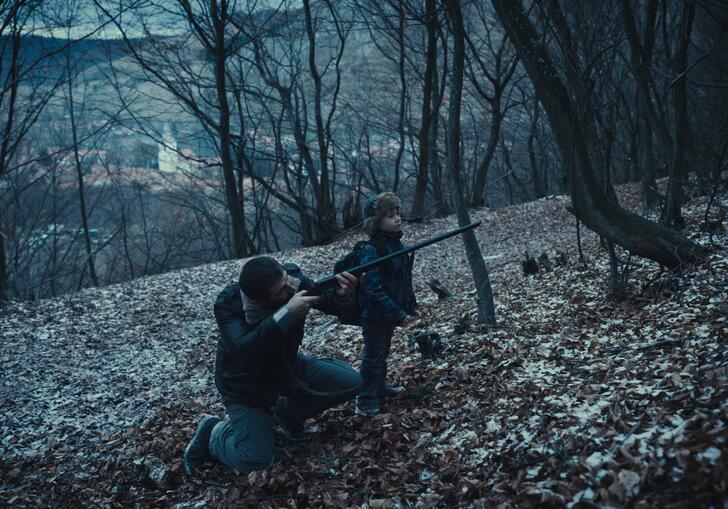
(140, 137)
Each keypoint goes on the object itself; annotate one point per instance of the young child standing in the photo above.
(386, 298)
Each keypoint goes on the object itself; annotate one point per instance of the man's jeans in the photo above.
(245, 441)
(377, 341)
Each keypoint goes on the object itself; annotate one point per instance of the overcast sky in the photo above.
(161, 17)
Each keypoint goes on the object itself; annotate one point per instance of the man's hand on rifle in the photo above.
(300, 304)
(345, 284)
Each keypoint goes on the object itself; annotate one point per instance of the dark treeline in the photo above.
(142, 136)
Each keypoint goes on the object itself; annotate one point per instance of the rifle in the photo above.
(330, 281)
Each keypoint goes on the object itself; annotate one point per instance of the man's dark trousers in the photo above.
(245, 441)
(377, 342)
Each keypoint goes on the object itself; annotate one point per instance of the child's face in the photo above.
(391, 222)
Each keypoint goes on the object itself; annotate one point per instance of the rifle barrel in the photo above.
(327, 281)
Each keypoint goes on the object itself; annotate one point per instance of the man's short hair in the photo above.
(259, 275)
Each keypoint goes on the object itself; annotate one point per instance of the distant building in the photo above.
(169, 160)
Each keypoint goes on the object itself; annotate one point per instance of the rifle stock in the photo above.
(330, 281)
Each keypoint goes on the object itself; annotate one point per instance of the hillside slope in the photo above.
(572, 398)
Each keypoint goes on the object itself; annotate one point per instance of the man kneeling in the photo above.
(259, 372)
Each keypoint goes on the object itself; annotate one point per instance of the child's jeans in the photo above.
(377, 341)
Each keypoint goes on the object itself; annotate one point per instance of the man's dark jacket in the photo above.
(253, 361)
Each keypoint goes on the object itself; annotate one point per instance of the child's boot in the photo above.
(367, 407)
(392, 392)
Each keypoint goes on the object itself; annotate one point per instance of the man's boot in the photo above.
(293, 431)
(198, 450)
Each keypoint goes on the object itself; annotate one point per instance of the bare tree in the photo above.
(671, 214)
(539, 177)
(77, 158)
(325, 202)
(640, 61)
(486, 308)
(497, 62)
(24, 93)
(279, 67)
(423, 171)
(166, 64)
(599, 211)
(641, 53)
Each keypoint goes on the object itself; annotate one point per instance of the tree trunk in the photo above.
(671, 214)
(79, 176)
(498, 73)
(594, 207)
(4, 285)
(402, 99)
(486, 309)
(9, 107)
(640, 57)
(231, 191)
(325, 212)
(639, 60)
(538, 177)
(54, 246)
(418, 204)
(614, 279)
(477, 198)
(646, 160)
(442, 199)
(125, 238)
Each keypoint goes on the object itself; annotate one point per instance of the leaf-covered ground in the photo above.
(575, 398)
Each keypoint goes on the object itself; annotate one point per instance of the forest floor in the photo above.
(575, 398)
